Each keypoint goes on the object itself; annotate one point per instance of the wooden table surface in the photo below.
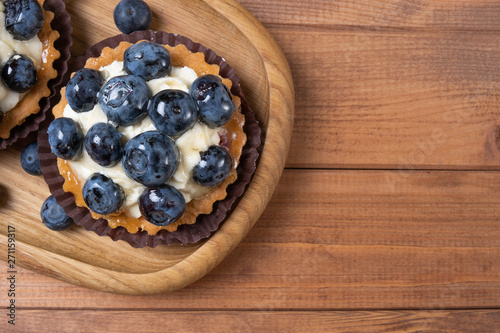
(386, 218)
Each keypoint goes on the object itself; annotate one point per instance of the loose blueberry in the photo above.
(124, 100)
(162, 205)
(19, 73)
(132, 15)
(147, 60)
(173, 112)
(30, 161)
(214, 167)
(103, 144)
(83, 89)
(102, 195)
(150, 158)
(214, 100)
(23, 18)
(65, 138)
(53, 215)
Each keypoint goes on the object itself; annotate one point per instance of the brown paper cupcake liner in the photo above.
(62, 24)
(205, 224)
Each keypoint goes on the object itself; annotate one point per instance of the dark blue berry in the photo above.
(102, 195)
(53, 215)
(19, 73)
(30, 161)
(65, 138)
(214, 100)
(214, 167)
(162, 205)
(103, 144)
(23, 18)
(83, 89)
(132, 15)
(173, 112)
(124, 100)
(150, 158)
(147, 60)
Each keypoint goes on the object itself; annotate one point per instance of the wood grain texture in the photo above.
(259, 321)
(393, 97)
(70, 256)
(441, 15)
(342, 240)
(422, 101)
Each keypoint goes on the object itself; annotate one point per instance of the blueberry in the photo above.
(150, 158)
(103, 144)
(162, 205)
(147, 60)
(23, 18)
(214, 100)
(19, 73)
(53, 215)
(102, 195)
(132, 15)
(30, 161)
(173, 112)
(65, 138)
(214, 167)
(83, 89)
(124, 99)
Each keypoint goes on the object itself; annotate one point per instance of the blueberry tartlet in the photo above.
(149, 138)
(27, 56)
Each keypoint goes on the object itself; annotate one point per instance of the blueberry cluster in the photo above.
(23, 21)
(150, 158)
(52, 215)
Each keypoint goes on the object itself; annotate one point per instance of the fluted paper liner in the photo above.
(205, 224)
(62, 24)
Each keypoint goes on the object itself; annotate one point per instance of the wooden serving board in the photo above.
(83, 258)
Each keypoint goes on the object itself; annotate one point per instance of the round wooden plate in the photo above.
(83, 258)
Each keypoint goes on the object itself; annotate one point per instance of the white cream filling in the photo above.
(8, 47)
(190, 144)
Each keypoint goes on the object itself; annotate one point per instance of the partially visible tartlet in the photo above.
(204, 210)
(23, 112)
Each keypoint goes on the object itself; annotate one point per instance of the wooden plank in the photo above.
(421, 101)
(341, 240)
(381, 14)
(257, 321)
